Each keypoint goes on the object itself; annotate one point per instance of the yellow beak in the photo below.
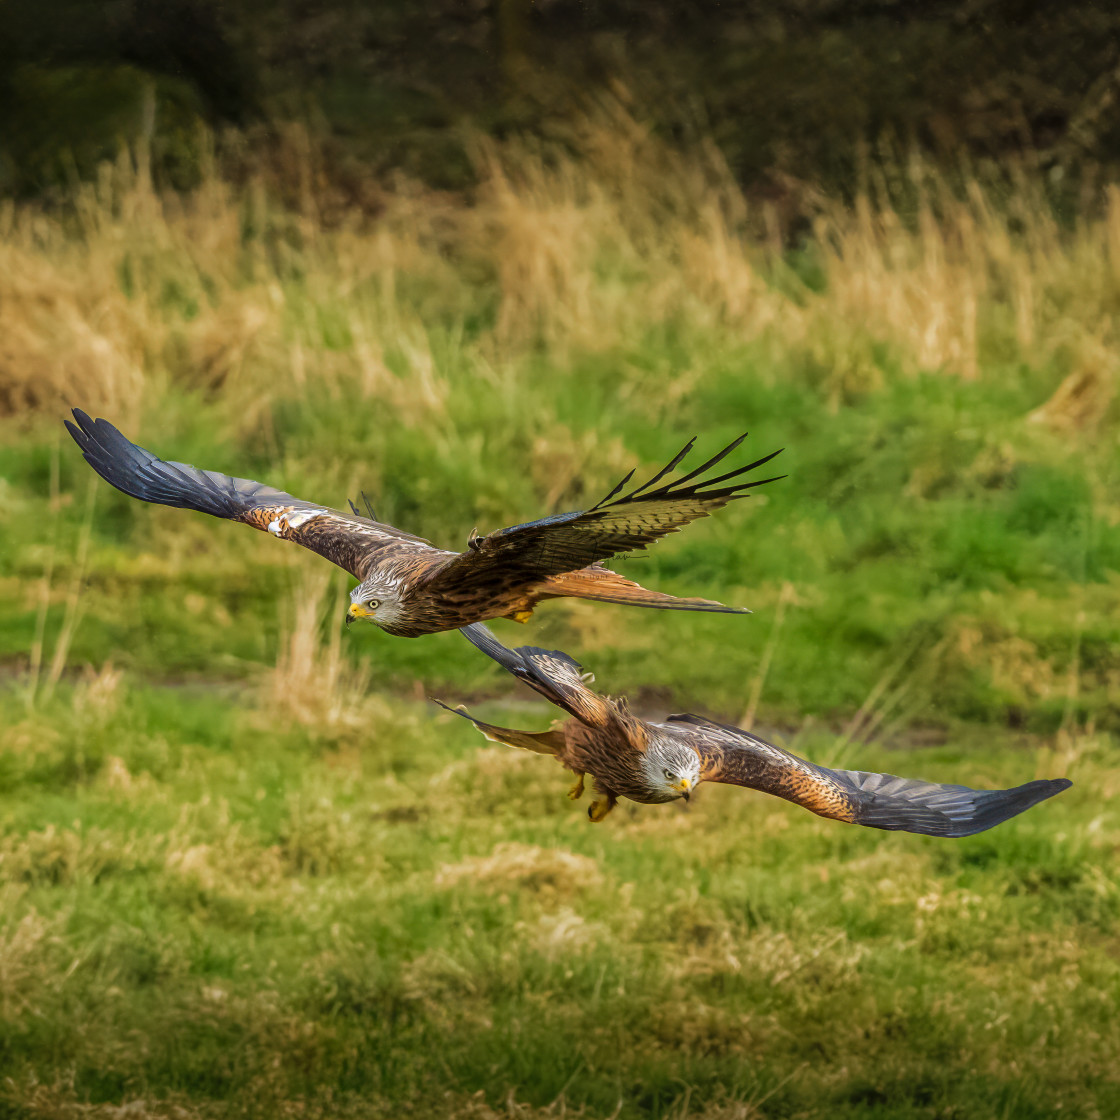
(683, 786)
(357, 611)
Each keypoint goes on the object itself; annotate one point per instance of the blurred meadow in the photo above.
(247, 869)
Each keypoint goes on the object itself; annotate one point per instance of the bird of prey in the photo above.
(407, 586)
(657, 762)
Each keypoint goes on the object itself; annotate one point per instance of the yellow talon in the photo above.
(522, 616)
(600, 808)
(576, 792)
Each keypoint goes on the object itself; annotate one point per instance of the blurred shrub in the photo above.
(793, 93)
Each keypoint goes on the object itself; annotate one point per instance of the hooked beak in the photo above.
(683, 787)
(357, 611)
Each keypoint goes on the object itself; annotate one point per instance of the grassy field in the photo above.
(246, 869)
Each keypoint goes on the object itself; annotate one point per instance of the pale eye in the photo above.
(668, 774)
(373, 604)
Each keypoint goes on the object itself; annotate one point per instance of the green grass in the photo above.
(926, 521)
(247, 869)
(210, 904)
(403, 923)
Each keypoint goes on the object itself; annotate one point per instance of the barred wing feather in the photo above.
(735, 757)
(567, 542)
(353, 543)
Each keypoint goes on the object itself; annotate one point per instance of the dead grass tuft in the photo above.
(562, 933)
(560, 463)
(1085, 394)
(1013, 664)
(97, 695)
(52, 856)
(477, 1107)
(60, 1102)
(312, 683)
(551, 873)
(22, 942)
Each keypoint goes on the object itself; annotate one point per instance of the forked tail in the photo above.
(604, 586)
(540, 742)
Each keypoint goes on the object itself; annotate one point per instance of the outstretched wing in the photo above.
(570, 541)
(351, 542)
(732, 756)
(553, 674)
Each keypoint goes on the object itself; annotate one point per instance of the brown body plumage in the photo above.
(657, 762)
(408, 587)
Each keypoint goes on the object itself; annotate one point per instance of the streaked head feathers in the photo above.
(655, 762)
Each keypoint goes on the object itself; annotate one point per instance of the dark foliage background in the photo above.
(792, 92)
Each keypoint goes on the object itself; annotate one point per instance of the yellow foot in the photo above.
(522, 616)
(576, 792)
(599, 808)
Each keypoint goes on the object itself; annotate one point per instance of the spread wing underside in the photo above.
(734, 757)
(567, 542)
(350, 541)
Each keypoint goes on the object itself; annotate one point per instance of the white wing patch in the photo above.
(286, 522)
(295, 520)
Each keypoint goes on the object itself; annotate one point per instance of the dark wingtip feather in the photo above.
(709, 482)
(135, 471)
(482, 638)
(708, 488)
(929, 809)
(718, 457)
(671, 465)
(604, 501)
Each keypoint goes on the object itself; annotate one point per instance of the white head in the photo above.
(376, 600)
(671, 769)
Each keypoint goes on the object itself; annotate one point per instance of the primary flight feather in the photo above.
(409, 587)
(653, 763)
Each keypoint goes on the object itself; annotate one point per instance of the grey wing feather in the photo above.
(350, 542)
(933, 809)
(733, 756)
(482, 638)
(552, 673)
(140, 474)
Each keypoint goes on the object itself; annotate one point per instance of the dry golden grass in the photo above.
(583, 245)
(549, 872)
(312, 683)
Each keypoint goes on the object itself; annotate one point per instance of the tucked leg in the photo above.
(576, 792)
(601, 806)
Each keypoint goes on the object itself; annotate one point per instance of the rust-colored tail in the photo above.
(540, 742)
(605, 586)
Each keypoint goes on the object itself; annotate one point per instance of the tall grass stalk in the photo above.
(35, 654)
(585, 246)
(72, 612)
